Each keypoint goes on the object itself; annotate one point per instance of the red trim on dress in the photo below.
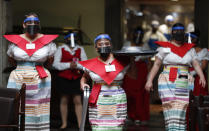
(98, 67)
(39, 43)
(180, 51)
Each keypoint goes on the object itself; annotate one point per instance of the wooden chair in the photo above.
(12, 103)
(198, 112)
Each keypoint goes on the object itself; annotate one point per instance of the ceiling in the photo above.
(164, 2)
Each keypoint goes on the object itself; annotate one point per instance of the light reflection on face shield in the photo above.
(32, 25)
(104, 48)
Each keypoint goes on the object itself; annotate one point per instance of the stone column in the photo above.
(114, 13)
(5, 26)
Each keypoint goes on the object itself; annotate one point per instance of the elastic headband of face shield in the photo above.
(178, 28)
(191, 35)
(102, 36)
(31, 19)
(69, 35)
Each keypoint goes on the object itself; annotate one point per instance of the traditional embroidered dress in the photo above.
(107, 101)
(198, 89)
(173, 84)
(137, 96)
(37, 79)
(68, 78)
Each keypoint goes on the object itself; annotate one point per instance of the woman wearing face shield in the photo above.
(30, 50)
(202, 57)
(65, 60)
(175, 82)
(107, 101)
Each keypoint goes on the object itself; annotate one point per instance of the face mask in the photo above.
(104, 51)
(32, 29)
(178, 36)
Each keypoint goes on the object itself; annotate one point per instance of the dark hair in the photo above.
(31, 13)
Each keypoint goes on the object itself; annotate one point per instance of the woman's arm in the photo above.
(84, 80)
(204, 64)
(153, 72)
(57, 61)
(199, 72)
(49, 62)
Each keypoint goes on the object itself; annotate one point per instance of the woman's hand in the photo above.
(190, 78)
(149, 86)
(49, 62)
(202, 81)
(84, 85)
(198, 69)
(73, 65)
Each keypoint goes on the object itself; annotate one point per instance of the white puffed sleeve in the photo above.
(57, 64)
(208, 55)
(52, 48)
(162, 52)
(203, 54)
(193, 54)
(10, 51)
(83, 54)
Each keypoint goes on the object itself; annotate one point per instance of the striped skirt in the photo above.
(175, 98)
(38, 91)
(109, 114)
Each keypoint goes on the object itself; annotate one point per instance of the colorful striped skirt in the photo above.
(109, 114)
(38, 92)
(175, 97)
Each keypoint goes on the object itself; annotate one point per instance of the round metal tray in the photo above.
(134, 51)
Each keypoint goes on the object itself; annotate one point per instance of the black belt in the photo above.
(183, 76)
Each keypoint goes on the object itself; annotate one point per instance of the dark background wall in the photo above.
(114, 12)
(202, 20)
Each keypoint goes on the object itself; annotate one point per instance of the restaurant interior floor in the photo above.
(156, 122)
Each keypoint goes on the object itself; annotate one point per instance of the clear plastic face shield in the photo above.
(191, 38)
(102, 40)
(70, 38)
(178, 33)
(103, 45)
(32, 25)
